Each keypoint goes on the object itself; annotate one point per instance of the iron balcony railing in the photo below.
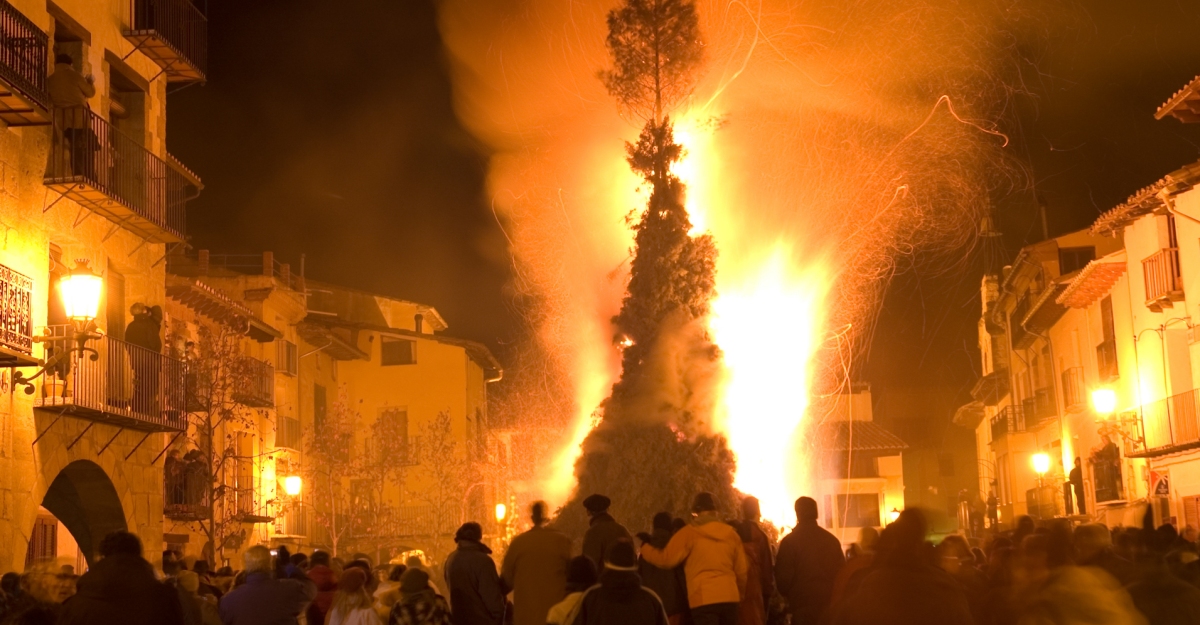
(16, 313)
(1016, 418)
(1168, 424)
(23, 55)
(1164, 281)
(126, 384)
(1045, 404)
(1074, 390)
(256, 386)
(1106, 360)
(186, 484)
(98, 166)
(174, 33)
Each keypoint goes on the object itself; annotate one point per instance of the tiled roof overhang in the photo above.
(1184, 105)
(1094, 281)
(1146, 200)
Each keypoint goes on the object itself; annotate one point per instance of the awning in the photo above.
(219, 307)
(1046, 310)
(323, 338)
(865, 436)
(969, 415)
(1094, 281)
(990, 388)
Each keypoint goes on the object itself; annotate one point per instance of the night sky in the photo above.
(327, 129)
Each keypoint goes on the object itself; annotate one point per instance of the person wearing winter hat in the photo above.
(603, 530)
(476, 595)
(581, 575)
(715, 563)
(620, 596)
(353, 605)
(419, 604)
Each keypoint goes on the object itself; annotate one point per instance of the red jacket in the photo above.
(326, 582)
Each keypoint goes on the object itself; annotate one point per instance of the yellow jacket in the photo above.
(716, 561)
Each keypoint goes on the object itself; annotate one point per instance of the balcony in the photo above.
(248, 507)
(991, 388)
(1045, 404)
(113, 175)
(126, 385)
(174, 34)
(1106, 360)
(16, 319)
(256, 387)
(185, 490)
(1074, 390)
(1168, 425)
(1164, 281)
(23, 70)
(1018, 418)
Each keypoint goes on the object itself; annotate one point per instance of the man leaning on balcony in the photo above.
(69, 92)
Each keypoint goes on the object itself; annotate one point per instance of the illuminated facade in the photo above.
(1102, 364)
(81, 454)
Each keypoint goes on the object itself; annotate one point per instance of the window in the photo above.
(1191, 511)
(114, 309)
(1106, 351)
(288, 433)
(858, 510)
(244, 485)
(1071, 259)
(286, 357)
(394, 351)
(946, 465)
(319, 407)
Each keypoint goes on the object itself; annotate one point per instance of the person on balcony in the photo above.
(144, 332)
(69, 93)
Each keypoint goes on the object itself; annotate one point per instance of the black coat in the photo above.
(602, 531)
(476, 597)
(808, 561)
(144, 331)
(911, 592)
(620, 599)
(122, 590)
(669, 584)
(264, 600)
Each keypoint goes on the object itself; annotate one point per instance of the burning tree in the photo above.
(653, 448)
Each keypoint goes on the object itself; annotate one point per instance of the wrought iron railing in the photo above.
(126, 384)
(87, 151)
(1074, 390)
(1162, 275)
(256, 383)
(1016, 418)
(179, 24)
(1045, 404)
(1169, 423)
(16, 316)
(23, 54)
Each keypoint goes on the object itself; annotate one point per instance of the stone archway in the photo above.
(85, 501)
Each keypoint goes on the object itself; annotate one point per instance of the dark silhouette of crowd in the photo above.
(707, 570)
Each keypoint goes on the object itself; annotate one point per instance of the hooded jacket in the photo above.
(669, 584)
(716, 566)
(619, 598)
(476, 597)
(121, 589)
(602, 531)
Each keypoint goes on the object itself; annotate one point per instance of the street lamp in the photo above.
(1104, 401)
(80, 290)
(292, 485)
(1041, 464)
(893, 515)
(501, 512)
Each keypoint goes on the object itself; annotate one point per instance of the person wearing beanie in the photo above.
(807, 564)
(668, 584)
(581, 575)
(353, 604)
(326, 582)
(535, 568)
(476, 595)
(603, 530)
(419, 604)
(620, 596)
(715, 563)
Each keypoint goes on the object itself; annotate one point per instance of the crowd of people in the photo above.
(704, 571)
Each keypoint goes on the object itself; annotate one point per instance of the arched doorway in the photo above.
(83, 499)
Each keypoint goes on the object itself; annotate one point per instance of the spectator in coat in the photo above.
(122, 588)
(476, 596)
(668, 584)
(716, 566)
(188, 583)
(603, 530)
(326, 583)
(265, 599)
(535, 568)
(620, 598)
(581, 575)
(419, 603)
(353, 605)
(808, 561)
(751, 522)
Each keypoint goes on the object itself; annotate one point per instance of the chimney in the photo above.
(420, 322)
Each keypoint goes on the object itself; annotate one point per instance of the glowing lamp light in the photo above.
(1104, 400)
(501, 512)
(1041, 463)
(893, 515)
(81, 293)
(292, 485)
